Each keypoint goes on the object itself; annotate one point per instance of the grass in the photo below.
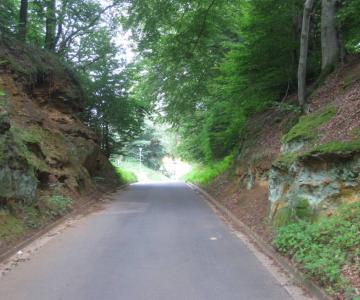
(125, 176)
(143, 173)
(203, 175)
(324, 247)
(305, 129)
(10, 226)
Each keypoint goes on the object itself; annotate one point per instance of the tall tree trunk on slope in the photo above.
(304, 48)
(330, 45)
(23, 16)
(50, 25)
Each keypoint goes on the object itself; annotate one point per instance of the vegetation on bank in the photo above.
(204, 174)
(125, 176)
(17, 219)
(326, 248)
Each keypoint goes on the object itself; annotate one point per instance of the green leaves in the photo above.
(324, 247)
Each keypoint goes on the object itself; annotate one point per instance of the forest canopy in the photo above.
(202, 66)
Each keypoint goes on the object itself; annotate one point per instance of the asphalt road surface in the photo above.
(154, 242)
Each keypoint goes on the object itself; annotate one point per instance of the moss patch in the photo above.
(336, 147)
(305, 129)
(22, 139)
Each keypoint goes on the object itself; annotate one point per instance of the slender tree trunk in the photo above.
(304, 48)
(107, 140)
(50, 34)
(330, 45)
(23, 16)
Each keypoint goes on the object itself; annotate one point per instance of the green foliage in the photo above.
(125, 176)
(8, 13)
(58, 205)
(325, 246)
(151, 143)
(305, 129)
(203, 175)
(349, 20)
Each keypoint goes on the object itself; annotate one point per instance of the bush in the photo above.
(324, 247)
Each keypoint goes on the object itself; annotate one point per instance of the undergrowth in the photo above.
(204, 174)
(325, 247)
(58, 205)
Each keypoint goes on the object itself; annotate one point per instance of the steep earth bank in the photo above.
(289, 168)
(49, 160)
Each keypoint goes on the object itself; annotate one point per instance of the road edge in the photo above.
(311, 287)
(47, 228)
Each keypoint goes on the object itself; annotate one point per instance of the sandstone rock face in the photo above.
(324, 181)
(44, 146)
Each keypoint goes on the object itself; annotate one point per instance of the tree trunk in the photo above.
(50, 25)
(304, 48)
(330, 45)
(23, 16)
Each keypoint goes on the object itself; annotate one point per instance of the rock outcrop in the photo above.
(44, 146)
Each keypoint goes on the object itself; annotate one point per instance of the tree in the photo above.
(304, 48)
(50, 25)
(329, 35)
(23, 19)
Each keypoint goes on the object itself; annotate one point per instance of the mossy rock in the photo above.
(302, 210)
(299, 210)
(336, 147)
(283, 217)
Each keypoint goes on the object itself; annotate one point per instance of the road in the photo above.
(153, 242)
